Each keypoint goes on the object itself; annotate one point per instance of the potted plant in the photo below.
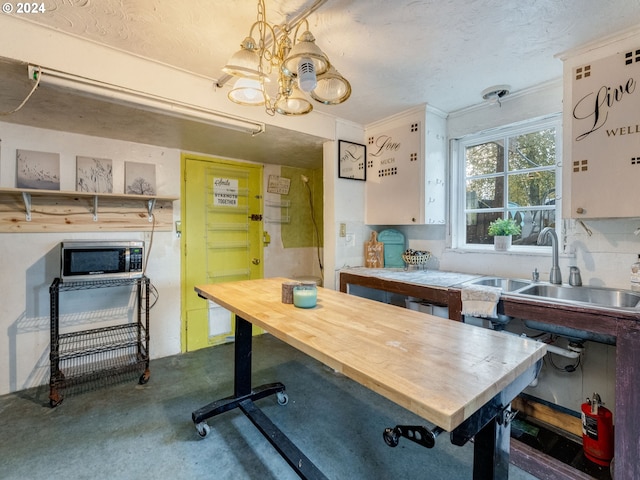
(502, 229)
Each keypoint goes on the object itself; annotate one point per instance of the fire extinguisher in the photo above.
(597, 431)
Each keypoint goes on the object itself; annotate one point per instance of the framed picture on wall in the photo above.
(94, 174)
(352, 158)
(39, 170)
(139, 178)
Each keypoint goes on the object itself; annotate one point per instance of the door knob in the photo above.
(256, 261)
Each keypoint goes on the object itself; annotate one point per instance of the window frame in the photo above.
(458, 231)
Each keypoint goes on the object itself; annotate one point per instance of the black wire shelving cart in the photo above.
(94, 357)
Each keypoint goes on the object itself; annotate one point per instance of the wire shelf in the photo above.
(65, 286)
(88, 359)
(94, 341)
(107, 369)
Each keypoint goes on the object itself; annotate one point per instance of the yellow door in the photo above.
(221, 240)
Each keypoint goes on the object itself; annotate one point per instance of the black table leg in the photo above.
(244, 397)
(241, 379)
(491, 450)
(242, 358)
(490, 427)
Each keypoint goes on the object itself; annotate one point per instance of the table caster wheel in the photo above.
(283, 398)
(203, 429)
(390, 437)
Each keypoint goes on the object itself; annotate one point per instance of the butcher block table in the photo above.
(456, 376)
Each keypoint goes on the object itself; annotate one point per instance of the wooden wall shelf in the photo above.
(30, 210)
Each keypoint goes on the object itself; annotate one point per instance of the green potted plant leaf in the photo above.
(502, 230)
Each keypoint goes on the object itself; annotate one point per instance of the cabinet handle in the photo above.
(580, 210)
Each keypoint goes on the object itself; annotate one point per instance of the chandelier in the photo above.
(297, 67)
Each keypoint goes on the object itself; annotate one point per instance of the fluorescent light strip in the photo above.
(144, 101)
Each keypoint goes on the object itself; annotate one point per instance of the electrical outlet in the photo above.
(343, 229)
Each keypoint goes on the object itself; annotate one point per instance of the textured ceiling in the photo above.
(395, 54)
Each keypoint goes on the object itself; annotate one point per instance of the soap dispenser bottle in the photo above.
(635, 272)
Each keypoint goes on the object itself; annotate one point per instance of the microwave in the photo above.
(99, 259)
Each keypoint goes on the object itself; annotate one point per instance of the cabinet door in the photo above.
(395, 176)
(406, 165)
(604, 165)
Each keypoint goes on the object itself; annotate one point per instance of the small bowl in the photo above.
(417, 260)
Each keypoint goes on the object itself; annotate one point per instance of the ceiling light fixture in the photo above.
(141, 100)
(299, 66)
(494, 94)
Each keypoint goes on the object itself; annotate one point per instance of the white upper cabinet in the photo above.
(601, 165)
(406, 169)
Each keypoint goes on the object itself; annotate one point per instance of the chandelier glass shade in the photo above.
(299, 66)
(247, 91)
(245, 62)
(331, 89)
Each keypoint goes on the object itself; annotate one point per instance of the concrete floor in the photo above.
(131, 431)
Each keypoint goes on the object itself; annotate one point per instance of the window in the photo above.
(512, 173)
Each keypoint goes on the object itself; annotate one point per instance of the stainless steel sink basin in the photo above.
(507, 284)
(605, 297)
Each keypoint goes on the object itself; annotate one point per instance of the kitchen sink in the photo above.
(507, 284)
(605, 297)
(596, 296)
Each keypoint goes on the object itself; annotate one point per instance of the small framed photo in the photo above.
(352, 160)
(94, 174)
(38, 170)
(139, 178)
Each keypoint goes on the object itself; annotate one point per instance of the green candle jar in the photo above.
(305, 295)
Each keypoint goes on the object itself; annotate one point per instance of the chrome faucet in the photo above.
(554, 275)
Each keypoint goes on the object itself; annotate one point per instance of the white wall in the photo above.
(30, 261)
(343, 203)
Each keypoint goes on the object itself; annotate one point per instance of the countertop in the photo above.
(437, 279)
(429, 278)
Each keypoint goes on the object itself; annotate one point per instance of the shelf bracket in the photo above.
(26, 197)
(95, 208)
(150, 206)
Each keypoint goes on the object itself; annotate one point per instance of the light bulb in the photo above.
(306, 75)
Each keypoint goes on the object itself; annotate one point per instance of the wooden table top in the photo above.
(437, 368)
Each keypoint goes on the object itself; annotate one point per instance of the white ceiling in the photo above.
(395, 54)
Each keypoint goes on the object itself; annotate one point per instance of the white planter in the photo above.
(502, 243)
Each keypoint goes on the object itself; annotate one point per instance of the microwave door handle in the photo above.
(127, 260)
